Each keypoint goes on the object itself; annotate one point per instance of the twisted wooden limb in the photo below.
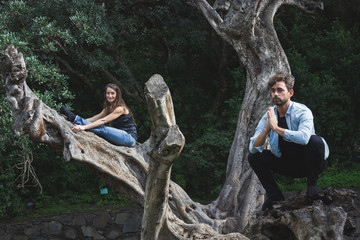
(124, 168)
(168, 142)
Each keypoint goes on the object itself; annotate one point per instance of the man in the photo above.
(295, 149)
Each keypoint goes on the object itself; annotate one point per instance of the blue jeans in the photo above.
(113, 135)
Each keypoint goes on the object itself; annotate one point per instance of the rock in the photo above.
(52, 228)
(350, 227)
(32, 231)
(90, 232)
(79, 220)
(87, 231)
(97, 236)
(10, 229)
(323, 218)
(132, 238)
(132, 225)
(5, 237)
(121, 218)
(101, 221)
(87, 226)
(70, 233)
(66, 219)
(113, 234)
(20, 237)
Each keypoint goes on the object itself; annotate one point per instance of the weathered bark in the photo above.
(300, 218)
(168, 142)
(143, 173)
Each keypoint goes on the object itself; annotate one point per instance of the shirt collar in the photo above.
(288, 112)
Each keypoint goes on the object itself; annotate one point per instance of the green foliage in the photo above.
(205, 158)
(340, 175)
(324, 57)
(72, 202)
(344, 175)
(14, 152)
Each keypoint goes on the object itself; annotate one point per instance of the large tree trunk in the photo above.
(143, 173)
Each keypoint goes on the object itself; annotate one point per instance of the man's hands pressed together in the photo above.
(272, 122)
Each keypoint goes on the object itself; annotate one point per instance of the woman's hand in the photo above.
(78, 128)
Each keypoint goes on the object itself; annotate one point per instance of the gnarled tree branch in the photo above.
(309, 6)
(126, 169)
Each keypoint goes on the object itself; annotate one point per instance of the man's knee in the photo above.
(316, 145)
(252, 158)
(315, 150)
(315, 142)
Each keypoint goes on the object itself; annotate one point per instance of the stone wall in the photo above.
(117, 224)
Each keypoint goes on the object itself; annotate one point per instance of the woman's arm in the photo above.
(97, 116)
(108, 118)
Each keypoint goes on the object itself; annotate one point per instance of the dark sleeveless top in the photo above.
(124, 122)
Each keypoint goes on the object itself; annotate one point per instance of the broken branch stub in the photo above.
(167, 142)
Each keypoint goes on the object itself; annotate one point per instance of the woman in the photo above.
(123, 131)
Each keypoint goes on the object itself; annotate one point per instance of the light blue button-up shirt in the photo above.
(300, 122)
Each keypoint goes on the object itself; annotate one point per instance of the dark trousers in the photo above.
(296, 161)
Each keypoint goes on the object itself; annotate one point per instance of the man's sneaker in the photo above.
(270, 200)
(312, 191)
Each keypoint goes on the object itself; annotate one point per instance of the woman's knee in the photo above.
(132, 142)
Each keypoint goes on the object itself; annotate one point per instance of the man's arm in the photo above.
(304, 130)
(258, 140)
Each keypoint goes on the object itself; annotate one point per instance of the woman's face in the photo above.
(110, 95)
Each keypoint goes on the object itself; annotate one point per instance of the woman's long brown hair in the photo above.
(119, 101)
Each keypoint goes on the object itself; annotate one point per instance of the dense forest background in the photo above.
(73, 48)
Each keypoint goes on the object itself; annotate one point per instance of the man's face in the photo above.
(280, 93)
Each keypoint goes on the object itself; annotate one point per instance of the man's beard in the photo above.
(281, 102)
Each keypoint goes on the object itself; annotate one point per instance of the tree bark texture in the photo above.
(142, 173)
(327, 217)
